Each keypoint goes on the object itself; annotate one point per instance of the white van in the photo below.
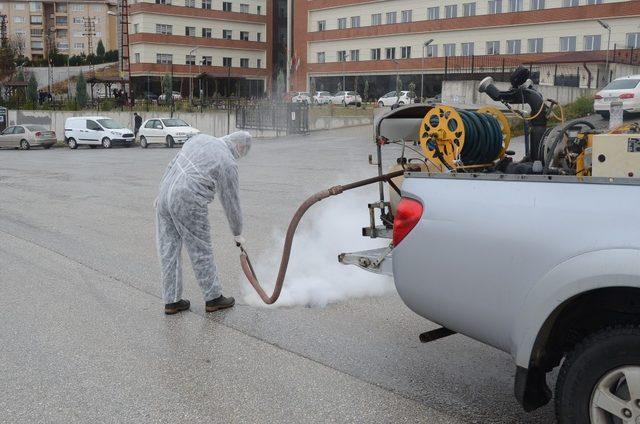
(96, 131)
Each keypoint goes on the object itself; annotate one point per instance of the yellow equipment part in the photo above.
(583, 161)
(442, 135)
(504, 126)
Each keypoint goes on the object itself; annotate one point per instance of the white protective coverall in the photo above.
(205, 165)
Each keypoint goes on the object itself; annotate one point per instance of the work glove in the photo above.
(240, 241)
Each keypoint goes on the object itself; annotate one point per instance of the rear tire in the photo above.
(170, 143)
(24, 145)
(143, 142)
(72, 144)
(598, 373)
(106, 143)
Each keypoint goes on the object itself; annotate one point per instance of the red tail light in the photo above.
(38, 134)
(407, 216)
(597, 97)
(626, 96)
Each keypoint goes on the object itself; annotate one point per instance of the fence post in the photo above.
(472, 62)
(503, 67)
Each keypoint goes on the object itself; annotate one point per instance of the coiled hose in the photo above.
(483, 138)
(245, 262)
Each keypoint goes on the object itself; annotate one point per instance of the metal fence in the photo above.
(288, 118)
(468, 67)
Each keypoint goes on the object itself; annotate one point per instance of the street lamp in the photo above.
(606, 26)
(424, 47)
(191, 53)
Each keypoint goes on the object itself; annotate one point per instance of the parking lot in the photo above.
(86, 339)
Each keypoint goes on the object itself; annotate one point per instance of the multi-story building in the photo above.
(35, 27)
(348, 41)
(225, 44)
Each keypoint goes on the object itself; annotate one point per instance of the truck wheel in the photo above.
(106, 143)
(72, 143)
(599, 381)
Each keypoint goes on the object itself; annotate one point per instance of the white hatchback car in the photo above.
(322, 98)
(392, 98)
(625, 89)
(96, 131)
(167, 131)
(346, 98)
(301, 97)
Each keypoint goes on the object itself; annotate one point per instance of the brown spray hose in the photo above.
(293, 225)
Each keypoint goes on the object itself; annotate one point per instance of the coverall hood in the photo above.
(239, 143)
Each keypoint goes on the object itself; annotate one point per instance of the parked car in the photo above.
(301, 97)
(625, 89)
(322, 98)
(147, 95)
(27, 136)
(346, 98)
(95, 131)
(175, 94)
(392, 98)
(433, 100)
(167, 131)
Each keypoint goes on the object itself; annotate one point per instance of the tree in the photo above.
(167, 87)
(7, 62)
(100, 49)
(32, 89)
(412, 87)
(280, 83)
(81, 91)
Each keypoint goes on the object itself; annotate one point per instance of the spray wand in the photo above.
(245, 262)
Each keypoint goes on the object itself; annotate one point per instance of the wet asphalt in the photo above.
(84, 338)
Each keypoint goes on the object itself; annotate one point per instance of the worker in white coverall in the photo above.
(204, 166)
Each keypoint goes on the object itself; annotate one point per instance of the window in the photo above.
(342, 55)
(258, 36)
(77, 7)
(516, 5)
(469, 9)
(164, 58)
(432, 50)
(136, 57)
(406, 16)
(392, 17)
(163, 1)
(190, 31)
(244, 62)
(342, 23)
(244, 35)
(18, 19)
(467, 49)
(375, 54)
(592, 42)
(594, 1)
(259, 12)
(493, 47)
(63, 45)
(19, 6)
(190, 59)
(97, 8)
(62, 33)
(164, 29)
(244, 8)
(376, 19)
(227, 62)
(37, 19)
(322, 25)
(206, 4)
(514, 46)
(258, 61)
(354, 55)
(390, 53)
(405, 52)
(450, 49)
(35, 7)
(534, 45)
(190, 3)
(633, 40)
(36, 32)
(226, 6)
(206, 32)
(451, 11)
(93, 125)
(570, 3)
(78, 20)
(355, 21)
(136, 28)
(36, 45)
(207, 60)
(433, 13)
(568, 44)
(60, 20)
(321, 57)
(494, 6)
(537, 4)
(227, 34)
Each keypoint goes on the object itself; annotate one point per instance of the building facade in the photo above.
(226, 45)
(35, 27)
(343, 42)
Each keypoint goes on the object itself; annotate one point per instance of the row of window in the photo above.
(533, 45)
(450, 11)
(227, 6)
(190, 31)
(60, 20)
(60, 8)
(190, 59)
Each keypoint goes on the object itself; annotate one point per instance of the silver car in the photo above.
(27, 136)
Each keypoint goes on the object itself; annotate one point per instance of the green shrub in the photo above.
(583, 106)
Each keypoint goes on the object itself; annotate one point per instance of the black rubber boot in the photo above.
(179, 306)
(220, 303)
